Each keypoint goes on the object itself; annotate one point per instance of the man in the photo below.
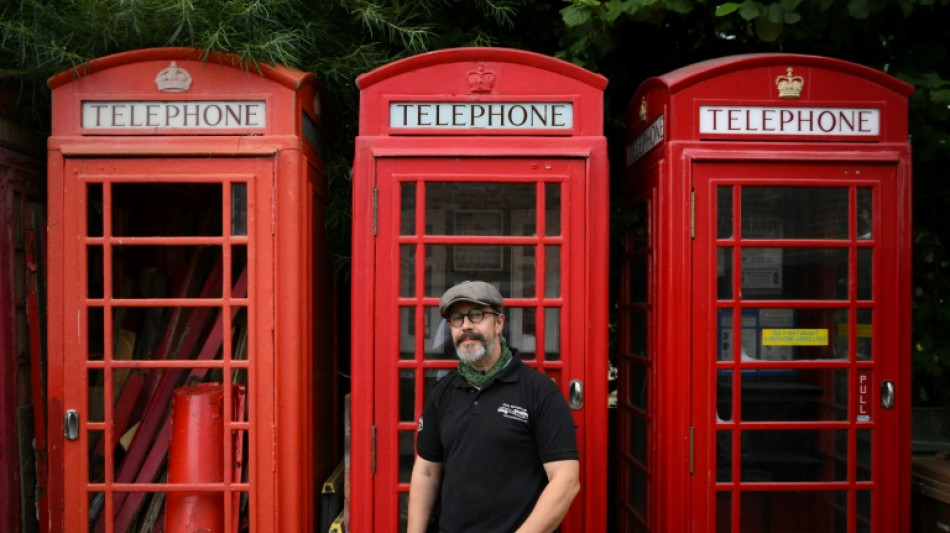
(496, 439)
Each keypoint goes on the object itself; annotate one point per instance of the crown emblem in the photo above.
(173, 79)
(481, 80)
(643, 109)
(789, 86)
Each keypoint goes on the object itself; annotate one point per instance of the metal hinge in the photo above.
(692, 213)
(375, 208)
(372, 434)
(692, 447)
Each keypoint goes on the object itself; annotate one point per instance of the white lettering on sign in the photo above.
(647, 139)
(863, 387)
(161, 115)
(753, 120)
(482, 115)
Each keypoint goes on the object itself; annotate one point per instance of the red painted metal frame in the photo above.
(522, 76)
(291, 397)
(682, 398)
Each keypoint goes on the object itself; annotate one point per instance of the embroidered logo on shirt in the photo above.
(514, 412)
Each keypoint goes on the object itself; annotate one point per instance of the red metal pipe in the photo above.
(196, 455)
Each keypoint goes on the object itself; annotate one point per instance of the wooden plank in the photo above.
(27, 463)
(154, 513)
(34, 314)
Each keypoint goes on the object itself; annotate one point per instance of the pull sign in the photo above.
(71, 424)
(865, 395)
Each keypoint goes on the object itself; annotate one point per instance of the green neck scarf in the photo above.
(478, 378)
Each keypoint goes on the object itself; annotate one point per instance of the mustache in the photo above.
(473, 335)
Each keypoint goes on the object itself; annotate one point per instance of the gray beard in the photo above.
(472, 357)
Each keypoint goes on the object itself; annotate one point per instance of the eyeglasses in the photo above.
(474, 316)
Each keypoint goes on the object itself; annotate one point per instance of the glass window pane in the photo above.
(795, 273)
(638, 332)
(479, 208)
(865, 334)
(552, 272)
(407, 270)
(791, 455)
(97, 407)
(157, 271)
(94, 333)
(865, 511)
(724, 402)
(724, 273)
(638, 385)
(788, 334)
(156, 333)
(521, 330)
(865, 214)
(730, 334)
(552, 202)
(724, 512)
(94, 210)
(407, 202)
(407, 332)
(723, 456)
(166, 209)
(865, 444)
(791, 395)
(782, 511)
(434, 271)
(865, 273)
(239, 209)
(639, 278)
(552, 334)
(794, 212)
(510, 268)
(437, 337)
(724, 212)
(94, 273)
(407, 395)
(638, 438)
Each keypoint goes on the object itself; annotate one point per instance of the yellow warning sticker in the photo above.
(795, 337)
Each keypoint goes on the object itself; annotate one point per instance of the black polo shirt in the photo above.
(492, 444)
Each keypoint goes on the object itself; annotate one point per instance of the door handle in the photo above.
(887, 394)
(575, 394)
(71, 424)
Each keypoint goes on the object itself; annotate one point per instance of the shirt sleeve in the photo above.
(428, 442)
(554, 426)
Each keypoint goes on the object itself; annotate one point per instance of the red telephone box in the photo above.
(186, 205)
(765, 313)
(484, 164)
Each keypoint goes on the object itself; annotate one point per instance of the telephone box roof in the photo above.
(681, 78)
(289, 77)
(466, 54)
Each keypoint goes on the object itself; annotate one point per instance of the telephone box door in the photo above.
(517, 223)
(147, 227)
(796, 379)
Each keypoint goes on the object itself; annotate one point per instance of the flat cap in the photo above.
(476, 292)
